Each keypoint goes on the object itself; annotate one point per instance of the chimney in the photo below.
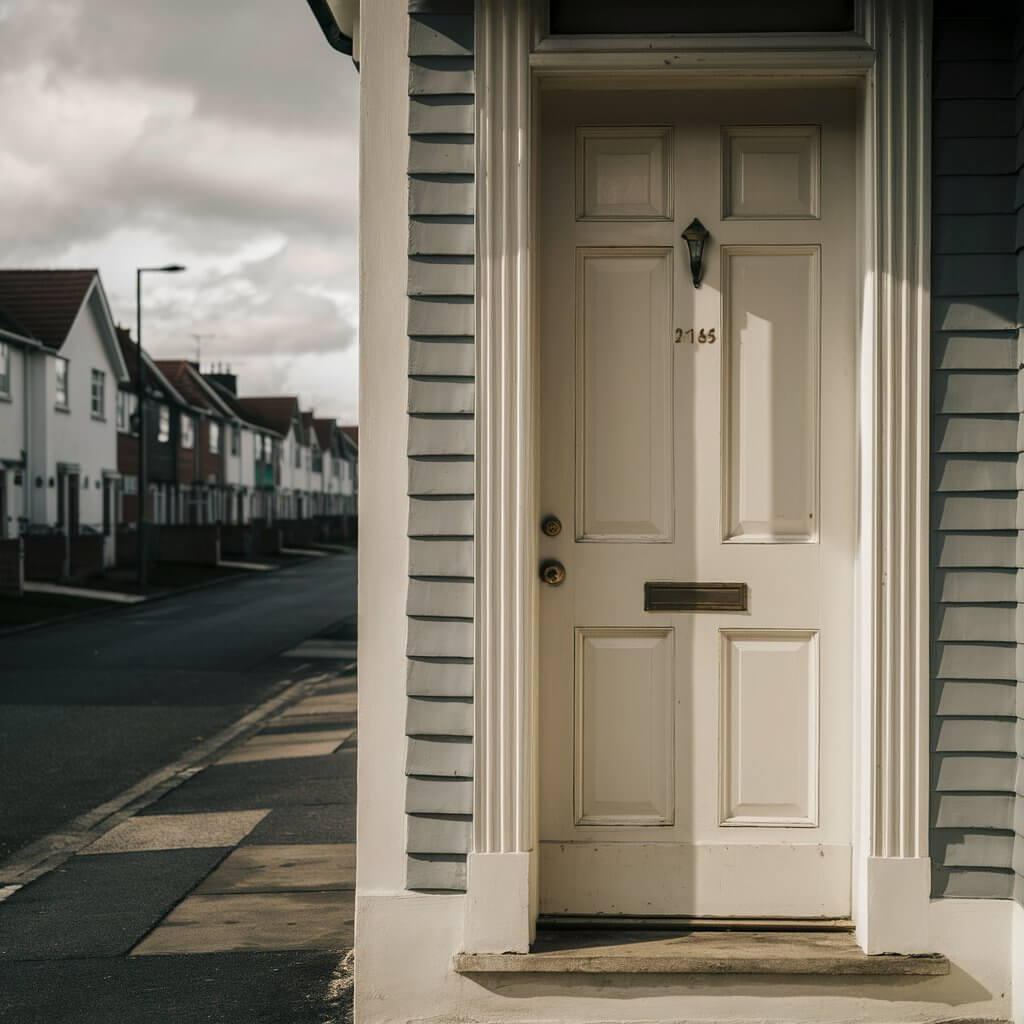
(225, 380)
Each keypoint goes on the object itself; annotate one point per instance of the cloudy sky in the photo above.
(216, 133)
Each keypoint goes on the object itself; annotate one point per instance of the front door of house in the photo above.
(697, 488)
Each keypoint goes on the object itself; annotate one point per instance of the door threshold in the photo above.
(699, 952)
(678, 923)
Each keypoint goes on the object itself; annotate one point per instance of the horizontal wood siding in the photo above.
(441, 327)
(977, 468)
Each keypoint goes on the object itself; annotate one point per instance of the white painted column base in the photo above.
(897, 912)
(498, 918)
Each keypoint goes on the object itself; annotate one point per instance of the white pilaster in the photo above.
(893, 917)
(498, 914)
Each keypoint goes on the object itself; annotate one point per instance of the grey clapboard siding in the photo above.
(442, 362)
(1018, 52)
(977, 513)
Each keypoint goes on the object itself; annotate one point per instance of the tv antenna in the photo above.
(198, 337)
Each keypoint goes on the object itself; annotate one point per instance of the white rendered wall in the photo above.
(42, 498)
(77, 436)
(12, 408)
(232, 463)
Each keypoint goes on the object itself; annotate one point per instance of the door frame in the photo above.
(889, 58)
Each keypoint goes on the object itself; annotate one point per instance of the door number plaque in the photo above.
(703, 336)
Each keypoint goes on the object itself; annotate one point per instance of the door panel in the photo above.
(771, 172)
(769, 741)
(624, 173)
(624, 394)
(771, 303)
(697, 763)
(625, 752)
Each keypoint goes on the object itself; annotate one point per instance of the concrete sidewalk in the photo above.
(230, 898)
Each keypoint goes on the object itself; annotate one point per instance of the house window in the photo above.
(131, 484)
(163, 433)
(298, 456)
(98, 393)
(236, 438)
(214, 438)
(318, 461)
(5, 369)
(188, 431)
(657, 17)
(121, 410)
(61, 371)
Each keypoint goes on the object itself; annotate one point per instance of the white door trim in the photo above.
(891, 867)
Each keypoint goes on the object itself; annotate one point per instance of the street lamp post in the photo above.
(143, 486)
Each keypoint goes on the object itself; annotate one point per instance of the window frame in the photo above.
(163, 423)
(213, 437)
(97, 395)
(5, 370)
(62, 384)
(186, 439)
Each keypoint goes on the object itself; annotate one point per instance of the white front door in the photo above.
(695, 741)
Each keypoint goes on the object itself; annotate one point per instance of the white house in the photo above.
(690, 548)
(68, 390)
(339, 459)
(16, 350)
(281, 417)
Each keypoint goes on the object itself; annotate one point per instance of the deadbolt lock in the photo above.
(552, 573)
(552, 526)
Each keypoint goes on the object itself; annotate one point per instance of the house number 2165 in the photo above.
(703, 337)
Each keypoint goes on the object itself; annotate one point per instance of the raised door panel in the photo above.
(770, 394)
(771, 172)
(624, 173)
(624, 764)
(624, 475)
(769, 753)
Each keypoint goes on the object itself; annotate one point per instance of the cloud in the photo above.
(222, 136)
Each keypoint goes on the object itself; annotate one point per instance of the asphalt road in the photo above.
(88, 708)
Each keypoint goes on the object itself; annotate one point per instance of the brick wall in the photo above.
(187, 545)
(45, 557)
(86, 556)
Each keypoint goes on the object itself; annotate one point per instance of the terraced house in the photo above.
(60, 368)
(691, 553)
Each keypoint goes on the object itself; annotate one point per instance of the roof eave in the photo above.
(339, 21)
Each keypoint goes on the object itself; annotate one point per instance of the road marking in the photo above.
(305, 552)
(253, 566)
(97, 595)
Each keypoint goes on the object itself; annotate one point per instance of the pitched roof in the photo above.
(274, 411)
(45, 302)
(232, 402)
(352, 433)
(11, 326)
(178, 372)
(324, 431)
(155, 377)
(307, 429)
(129, 352)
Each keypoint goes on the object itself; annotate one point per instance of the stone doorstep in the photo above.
(824, 954)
